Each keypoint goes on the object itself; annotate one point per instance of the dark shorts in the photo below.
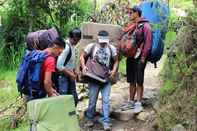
(135, 71)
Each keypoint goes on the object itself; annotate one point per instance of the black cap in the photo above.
(137, 9)
(103, 36)
(75, 33)
(103, 33)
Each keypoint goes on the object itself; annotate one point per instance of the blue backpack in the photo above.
(29, 74)
(157, 13)
(157, 47)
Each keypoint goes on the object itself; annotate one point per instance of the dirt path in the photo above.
(120, 94)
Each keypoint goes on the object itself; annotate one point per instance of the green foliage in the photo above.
(5, 125)
(179, 80)
(122, 66)
(170, 38)
(22, 16)
(183, 4)
(167, 88)
(8, 95)
(8, 92)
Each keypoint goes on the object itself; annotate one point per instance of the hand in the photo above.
(53, 93)
(85, 69)
(112, 75)
(142, 60)
(73, 76)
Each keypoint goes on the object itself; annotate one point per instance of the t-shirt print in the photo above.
(101, 56)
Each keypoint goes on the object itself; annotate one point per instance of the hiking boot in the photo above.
(106, 127)
(89, 123)
(138, 107)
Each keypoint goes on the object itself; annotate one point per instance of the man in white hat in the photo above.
(103, 53)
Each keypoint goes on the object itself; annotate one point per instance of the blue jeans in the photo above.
(93, 96)
(67, 86)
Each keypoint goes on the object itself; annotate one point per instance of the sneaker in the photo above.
(131, 104)
(127, 105)
(138, 107)
(89, 123)
(106, 127)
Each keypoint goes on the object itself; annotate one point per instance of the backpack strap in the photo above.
(91, 51)
(111, 63)
(93, 47)
(68, 56)
(111, 57)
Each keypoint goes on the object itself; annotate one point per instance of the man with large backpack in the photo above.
(136, 64)
(34, 77)
(99, 54)
(66, 66)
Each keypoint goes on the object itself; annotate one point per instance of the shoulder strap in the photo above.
(92, 51)
(68, 56)
(111, 57)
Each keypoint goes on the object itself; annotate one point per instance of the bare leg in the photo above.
(140, 93)
(132, 92)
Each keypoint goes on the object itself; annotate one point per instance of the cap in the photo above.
(103, 37)
(137, 9)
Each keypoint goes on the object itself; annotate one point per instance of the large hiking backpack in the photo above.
(28, 77)
(157, 13)
(127, 45)
(41, 39)
(157, 47)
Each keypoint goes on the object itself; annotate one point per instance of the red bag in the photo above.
(127, 45)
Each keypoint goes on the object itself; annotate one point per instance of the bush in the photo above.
(22, 16)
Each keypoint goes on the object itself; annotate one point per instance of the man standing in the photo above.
(135, 66)
(66, 65)
(40, 71)
(101, 52)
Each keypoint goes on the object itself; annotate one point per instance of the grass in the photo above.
(167, 88)
(4, 125)
(8, 91)
(8, 95)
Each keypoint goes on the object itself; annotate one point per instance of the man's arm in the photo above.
(82, 61)
(147, 42)
(60, 64)
(49, 68)
(48, 84)
(115, 67)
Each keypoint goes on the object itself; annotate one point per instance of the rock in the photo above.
(123, 115)
(178, 127)
(143, 116)
(116, 99)
(156, 105)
